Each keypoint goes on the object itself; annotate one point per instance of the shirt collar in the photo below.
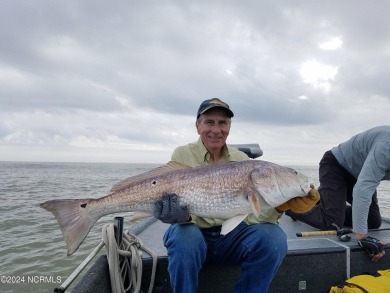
(206, 154)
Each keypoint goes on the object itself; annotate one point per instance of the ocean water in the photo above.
(32, 250)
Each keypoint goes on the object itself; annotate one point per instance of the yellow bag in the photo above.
(378, 282)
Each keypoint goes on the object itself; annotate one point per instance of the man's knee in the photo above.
(272, 240)
(184, 238)
(280, 243)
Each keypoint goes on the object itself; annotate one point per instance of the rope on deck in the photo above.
(125, 261)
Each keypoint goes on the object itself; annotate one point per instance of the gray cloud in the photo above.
(124, 76)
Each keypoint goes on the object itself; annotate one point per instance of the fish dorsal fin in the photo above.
(230, 224)
(169, 167)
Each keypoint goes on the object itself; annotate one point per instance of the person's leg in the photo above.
(348, 216)
(331, 208)
(350, 182)
(259, 249)
(186, 253)
(374, 220)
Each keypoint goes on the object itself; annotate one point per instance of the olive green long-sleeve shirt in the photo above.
(195, 154)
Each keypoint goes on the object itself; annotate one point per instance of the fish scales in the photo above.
(196, 187)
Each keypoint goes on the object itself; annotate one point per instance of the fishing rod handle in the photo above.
(316, 233)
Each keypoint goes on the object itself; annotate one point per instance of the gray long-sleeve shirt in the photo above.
(366, 156)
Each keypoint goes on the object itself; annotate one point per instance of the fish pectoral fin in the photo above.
(252, 197)
(232, 223)
(266, 195)
(139, 216)
(255, 203)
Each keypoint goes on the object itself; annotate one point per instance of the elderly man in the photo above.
(258, 244)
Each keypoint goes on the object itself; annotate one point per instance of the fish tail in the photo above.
(75, 219)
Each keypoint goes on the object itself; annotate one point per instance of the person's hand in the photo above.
(303, 204)
(168, 210)
(373, 246)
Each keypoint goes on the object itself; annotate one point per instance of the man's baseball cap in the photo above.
(213, 103)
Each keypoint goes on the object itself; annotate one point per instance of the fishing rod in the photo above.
(343, 234)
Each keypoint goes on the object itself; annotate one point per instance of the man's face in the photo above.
(213, 128)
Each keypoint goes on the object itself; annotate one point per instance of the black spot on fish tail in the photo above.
(83, 205)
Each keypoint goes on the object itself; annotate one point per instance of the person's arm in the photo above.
(370, 176)
(373, 171)
(177, 156)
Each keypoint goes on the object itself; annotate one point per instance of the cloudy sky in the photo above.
(120, 81)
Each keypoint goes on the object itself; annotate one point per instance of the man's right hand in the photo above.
(168, 210)
(300, 205)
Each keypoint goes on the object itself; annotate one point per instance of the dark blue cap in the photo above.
(213, 103)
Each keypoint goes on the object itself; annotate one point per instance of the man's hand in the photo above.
(303, 204)
(168, 210)
(373, 246)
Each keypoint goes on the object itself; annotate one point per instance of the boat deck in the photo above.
(312, 264)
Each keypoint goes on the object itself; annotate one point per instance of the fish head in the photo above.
(277, 184)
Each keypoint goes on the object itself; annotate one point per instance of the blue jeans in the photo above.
(259, 250)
